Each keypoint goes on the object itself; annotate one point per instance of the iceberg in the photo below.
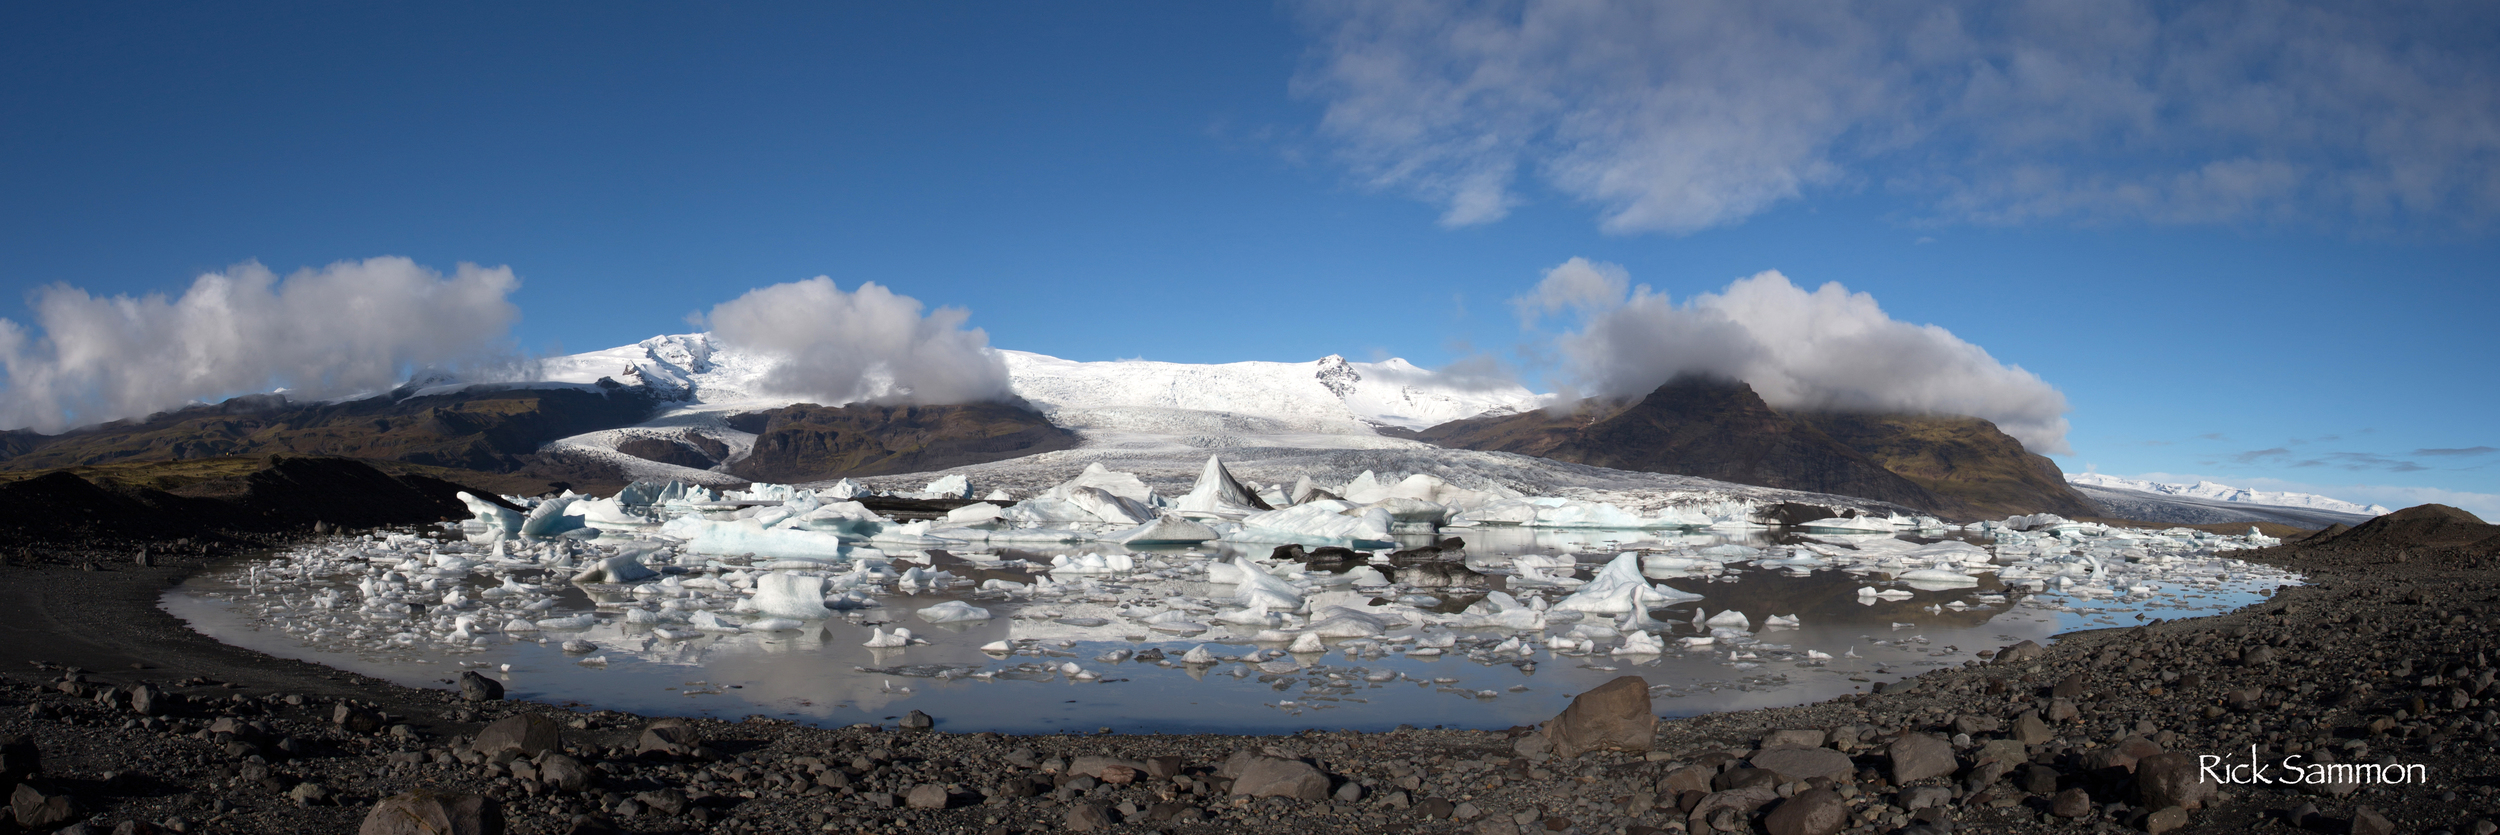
(953, 611)
(1217, 493)
(1619, 588)
(1322, 522)
(948, 487)
(500, 521)
(1110, 507)
(1259, 589)
(1640, 643)
(1046, 510)
(974, 514)
(1168, 529)
(881, 639)
(1859, 524)
(785, 595)
(549, 518)
(623, 568)
(744, 536)
(1124, 485)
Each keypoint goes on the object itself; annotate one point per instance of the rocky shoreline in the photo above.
(2386, 657)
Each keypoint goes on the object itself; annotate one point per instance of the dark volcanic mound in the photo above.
(807, 442)
(482, 428)
(1692, 426)
(218, 498)
(2430, 525)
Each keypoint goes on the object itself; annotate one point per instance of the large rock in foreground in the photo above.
(426, 812)
(1614, 716)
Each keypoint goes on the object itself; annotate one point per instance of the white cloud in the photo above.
(348, 327)
(1681, 116)
(2485, 505)
(1825, 349)
(838, 347)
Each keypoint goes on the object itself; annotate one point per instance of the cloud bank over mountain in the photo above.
(348, 327)
(840, 346)
(1822, 349)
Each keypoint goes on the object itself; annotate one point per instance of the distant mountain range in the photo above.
(683, 406)
(2211, 491)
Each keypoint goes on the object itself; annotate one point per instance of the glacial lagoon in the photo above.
(1106, 640)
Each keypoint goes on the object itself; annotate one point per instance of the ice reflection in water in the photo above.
(1079, 664)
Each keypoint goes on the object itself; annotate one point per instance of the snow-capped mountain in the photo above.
(1328, 396)
(2225, 493)
(1329, 403)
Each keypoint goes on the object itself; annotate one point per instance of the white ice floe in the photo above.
(953, 611)
(791, 595)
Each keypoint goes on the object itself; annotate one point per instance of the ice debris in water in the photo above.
(664, 565)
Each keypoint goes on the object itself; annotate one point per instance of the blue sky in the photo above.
(2262, 254)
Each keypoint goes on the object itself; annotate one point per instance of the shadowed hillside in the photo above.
(807, 442)
(1697, 427)
(487, 430)
(1975, 471)
(1955, 467)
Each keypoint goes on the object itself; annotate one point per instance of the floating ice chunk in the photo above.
(998, 648)
(1780, 622)
(1323, 522)
(1258, 588)
(1046, 510)
(1217, 493)
(775, 625)
(1640, 643)
(1731, 618)
(549, 519)
(974, 514)
(1698, 641)
(1307, 642)
(711, 622)
(1818, 655)
(1932, 579)
(1167, 529)
(1426, 652)
(1346, 625)
(1124, 485)
(622, 568)
(1115, 509)
(499, 521)
(1855, 524)
(953, 611)
(948, 487)
(881, 639)
(519, 625)
(675, 634)
(1620, 588)
(574, 623)
(1198, 655)
(1093, 564)
(1254, 615)
(797, 596)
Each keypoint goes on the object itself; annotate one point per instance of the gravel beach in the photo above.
(118, 718)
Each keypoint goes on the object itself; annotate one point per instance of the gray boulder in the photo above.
(428, 812)
(1614, 716)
